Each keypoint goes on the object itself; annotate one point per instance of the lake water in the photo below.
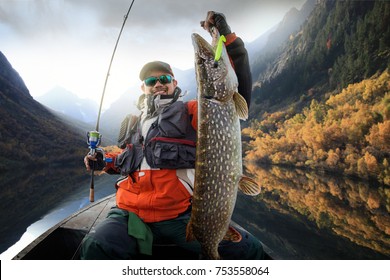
(52, 196)
(298, 215)
(302, 215)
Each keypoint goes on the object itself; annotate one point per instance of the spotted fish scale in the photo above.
(218, 169)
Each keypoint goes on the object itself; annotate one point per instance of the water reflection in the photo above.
(299, 215)
(304, 215)
(73, 202)
(29, 195)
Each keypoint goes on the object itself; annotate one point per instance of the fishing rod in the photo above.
(94, 137)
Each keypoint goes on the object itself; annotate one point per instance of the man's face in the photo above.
(161, 86)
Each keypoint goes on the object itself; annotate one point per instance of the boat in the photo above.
(63, 241)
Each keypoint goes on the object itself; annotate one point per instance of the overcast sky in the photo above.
(69, 43)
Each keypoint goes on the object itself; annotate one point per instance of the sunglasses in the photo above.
(163, 79)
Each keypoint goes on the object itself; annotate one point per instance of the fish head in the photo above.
(216, 80)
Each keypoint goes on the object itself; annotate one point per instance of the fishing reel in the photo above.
(93, 140)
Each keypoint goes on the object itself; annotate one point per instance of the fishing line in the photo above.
(109, 67)
(94, 137)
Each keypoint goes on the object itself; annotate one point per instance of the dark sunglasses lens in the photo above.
(165, 79)
(151, 81)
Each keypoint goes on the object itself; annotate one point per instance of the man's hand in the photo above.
(218, 20)
(87, 159)
(95, 161)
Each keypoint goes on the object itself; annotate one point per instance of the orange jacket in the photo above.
(155, 194)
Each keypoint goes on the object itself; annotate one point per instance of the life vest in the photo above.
(170, 142)
(158, 193)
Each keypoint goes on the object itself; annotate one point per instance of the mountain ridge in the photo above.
(30, 133)
(68, 103)
(321, 102)
(329, 52)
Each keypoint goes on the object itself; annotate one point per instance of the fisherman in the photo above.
(153, 198)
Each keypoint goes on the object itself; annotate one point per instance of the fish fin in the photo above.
(249, 186)
(241, 106)
(232, 235)
(189, 233)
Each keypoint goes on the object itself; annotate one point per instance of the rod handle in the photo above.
(92, 186)
(91, 195)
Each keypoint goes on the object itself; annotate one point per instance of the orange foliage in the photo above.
(353, 210)
(348, 133)
(379, 136)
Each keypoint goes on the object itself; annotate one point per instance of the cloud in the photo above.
(69, 42)
(68, 17)
(29, 18)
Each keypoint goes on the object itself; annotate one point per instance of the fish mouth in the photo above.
(207, 75)
(201, 47)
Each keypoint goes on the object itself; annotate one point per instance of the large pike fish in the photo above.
(218, 168)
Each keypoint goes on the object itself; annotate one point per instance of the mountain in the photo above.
(255, 47)
(277, 35)
(187, 82)
(30, 134)
(341, 42)
(68, 103)
(112, 118)
(321, 100)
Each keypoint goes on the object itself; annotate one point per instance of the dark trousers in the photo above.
(110, 241)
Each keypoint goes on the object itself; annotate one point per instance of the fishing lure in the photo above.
(218, 51)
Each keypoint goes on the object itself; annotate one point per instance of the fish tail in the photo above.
(209, 253)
